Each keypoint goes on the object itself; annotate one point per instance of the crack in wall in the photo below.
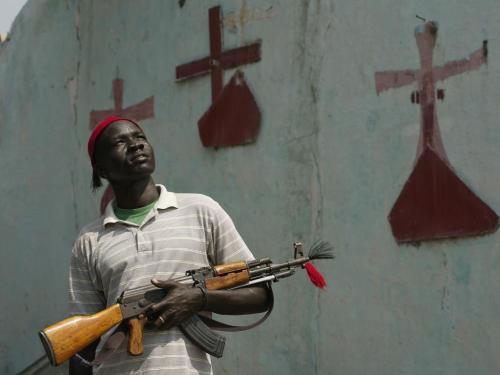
(73, 85)
(302, 137)
(444, 289)
(305, 169)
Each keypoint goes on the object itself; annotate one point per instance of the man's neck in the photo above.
(134, 194)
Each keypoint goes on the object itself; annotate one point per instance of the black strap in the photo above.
(220, 326)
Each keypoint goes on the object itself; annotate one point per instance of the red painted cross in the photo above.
(434, 202)
(426, 78)
(140, 111)
(218, 60)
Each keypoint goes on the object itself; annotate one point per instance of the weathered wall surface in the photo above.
(330, 161)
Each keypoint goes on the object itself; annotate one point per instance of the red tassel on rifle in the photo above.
(315, 276)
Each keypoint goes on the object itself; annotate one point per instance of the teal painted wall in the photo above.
(330, 160)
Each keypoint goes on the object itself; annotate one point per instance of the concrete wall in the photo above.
(330, 160)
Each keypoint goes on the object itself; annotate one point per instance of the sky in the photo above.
(8, 11)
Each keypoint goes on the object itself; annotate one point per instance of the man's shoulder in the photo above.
(196, 200)
(91, 230)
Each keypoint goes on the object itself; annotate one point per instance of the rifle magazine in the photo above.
(202, 336)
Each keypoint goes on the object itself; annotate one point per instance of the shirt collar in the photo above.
(166, 200)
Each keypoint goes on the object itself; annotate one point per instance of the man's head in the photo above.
(119, 152)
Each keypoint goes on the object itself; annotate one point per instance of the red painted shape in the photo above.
(140, 111)
(137, 112)
(228, 60)
(233, 119)
(215, 26)
(219, 60)
(235, 133)
(434, 202)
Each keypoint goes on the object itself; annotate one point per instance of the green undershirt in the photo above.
(133, 215)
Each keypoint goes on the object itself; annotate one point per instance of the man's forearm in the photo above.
(248, 300)
(182, 300)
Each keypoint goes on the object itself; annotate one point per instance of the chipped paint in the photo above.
(237, 20)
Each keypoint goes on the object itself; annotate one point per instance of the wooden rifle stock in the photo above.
(65, 338)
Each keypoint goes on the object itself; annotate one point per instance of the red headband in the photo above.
(99, 129)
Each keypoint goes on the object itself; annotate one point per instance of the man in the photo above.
(150, 234)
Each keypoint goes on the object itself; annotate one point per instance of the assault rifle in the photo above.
(64, 339)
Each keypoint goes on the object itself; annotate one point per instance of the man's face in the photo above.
(123, 153)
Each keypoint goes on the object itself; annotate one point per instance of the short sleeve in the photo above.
(84, 295)
(228, 244)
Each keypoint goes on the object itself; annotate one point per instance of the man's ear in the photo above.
(100, 171)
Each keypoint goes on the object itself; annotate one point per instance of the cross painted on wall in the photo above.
(434, 202)
(137, 112)
(140, 111)
(233, 117)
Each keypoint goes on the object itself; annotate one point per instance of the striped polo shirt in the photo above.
(182, 232)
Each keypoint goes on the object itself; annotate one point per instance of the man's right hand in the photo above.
(180, 303)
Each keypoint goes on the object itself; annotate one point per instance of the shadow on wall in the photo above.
(42, 367)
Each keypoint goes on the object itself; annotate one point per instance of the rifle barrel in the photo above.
(272, 269)
(258, 262)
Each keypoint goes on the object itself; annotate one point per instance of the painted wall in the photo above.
(329, 162)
